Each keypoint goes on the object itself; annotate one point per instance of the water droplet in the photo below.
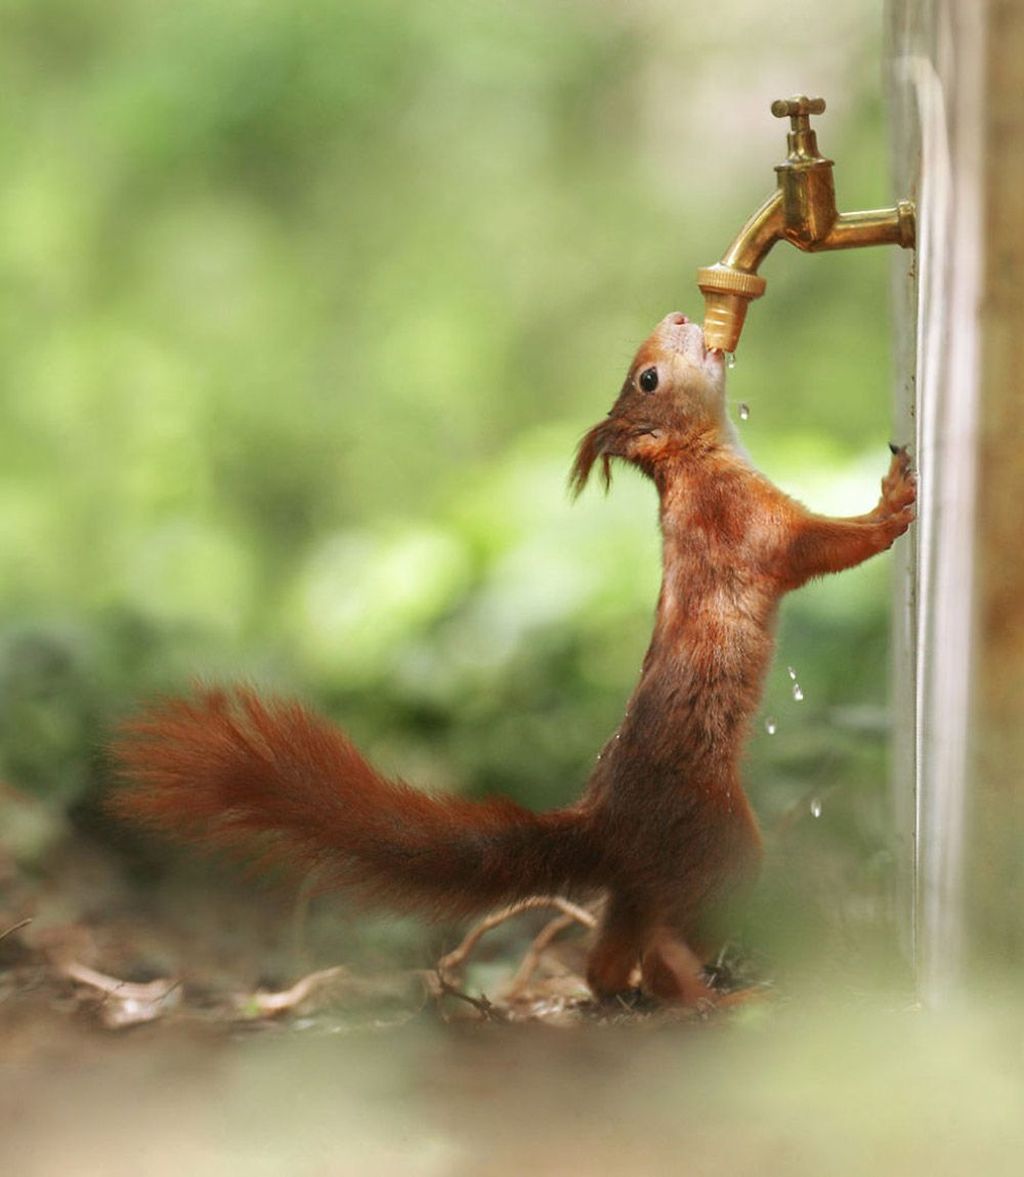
(730, 359)
(815, 807)
(770, 726)
(744, 412)
(798, 695)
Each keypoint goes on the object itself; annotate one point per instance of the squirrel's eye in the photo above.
(648, 379)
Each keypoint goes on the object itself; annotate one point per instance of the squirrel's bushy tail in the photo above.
(274, 782)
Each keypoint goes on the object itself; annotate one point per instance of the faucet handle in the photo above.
(798, 108)
(802, 141)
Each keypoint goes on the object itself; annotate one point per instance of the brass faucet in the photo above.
(801, 210)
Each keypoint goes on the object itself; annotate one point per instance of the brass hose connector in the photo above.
(727, 294)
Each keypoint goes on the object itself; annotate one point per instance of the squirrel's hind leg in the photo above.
(628, 951)
(672, 971)
(613, 965)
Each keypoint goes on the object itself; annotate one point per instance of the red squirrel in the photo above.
(663, 829)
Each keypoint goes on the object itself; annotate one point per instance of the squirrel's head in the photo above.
(674, 394)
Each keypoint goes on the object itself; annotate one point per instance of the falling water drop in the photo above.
(730, 359)
(770, 726)
(744, 412)
(815, 807)
(798, 695)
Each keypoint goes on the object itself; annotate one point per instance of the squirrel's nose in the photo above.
(677, 317)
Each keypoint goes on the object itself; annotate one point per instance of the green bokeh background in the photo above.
(303, 311)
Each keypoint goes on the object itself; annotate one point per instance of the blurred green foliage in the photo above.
(303, 309)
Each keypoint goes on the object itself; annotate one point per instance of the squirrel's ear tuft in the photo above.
(591, 447)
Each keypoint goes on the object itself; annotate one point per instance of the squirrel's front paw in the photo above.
(899, 486)
(893, 526)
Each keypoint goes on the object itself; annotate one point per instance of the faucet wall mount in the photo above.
(801, 210)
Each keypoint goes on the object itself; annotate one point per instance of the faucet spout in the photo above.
(756, 238)
(802, 210)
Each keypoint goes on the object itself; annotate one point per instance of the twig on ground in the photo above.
(482, 1004)
(269, 1004)
(451, 962)
(531, 959)
(15, 928)
(125, 1003)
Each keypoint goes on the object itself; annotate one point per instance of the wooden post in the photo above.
(996, 812)
(958, 82)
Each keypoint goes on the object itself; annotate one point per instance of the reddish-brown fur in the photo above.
(663, 827)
